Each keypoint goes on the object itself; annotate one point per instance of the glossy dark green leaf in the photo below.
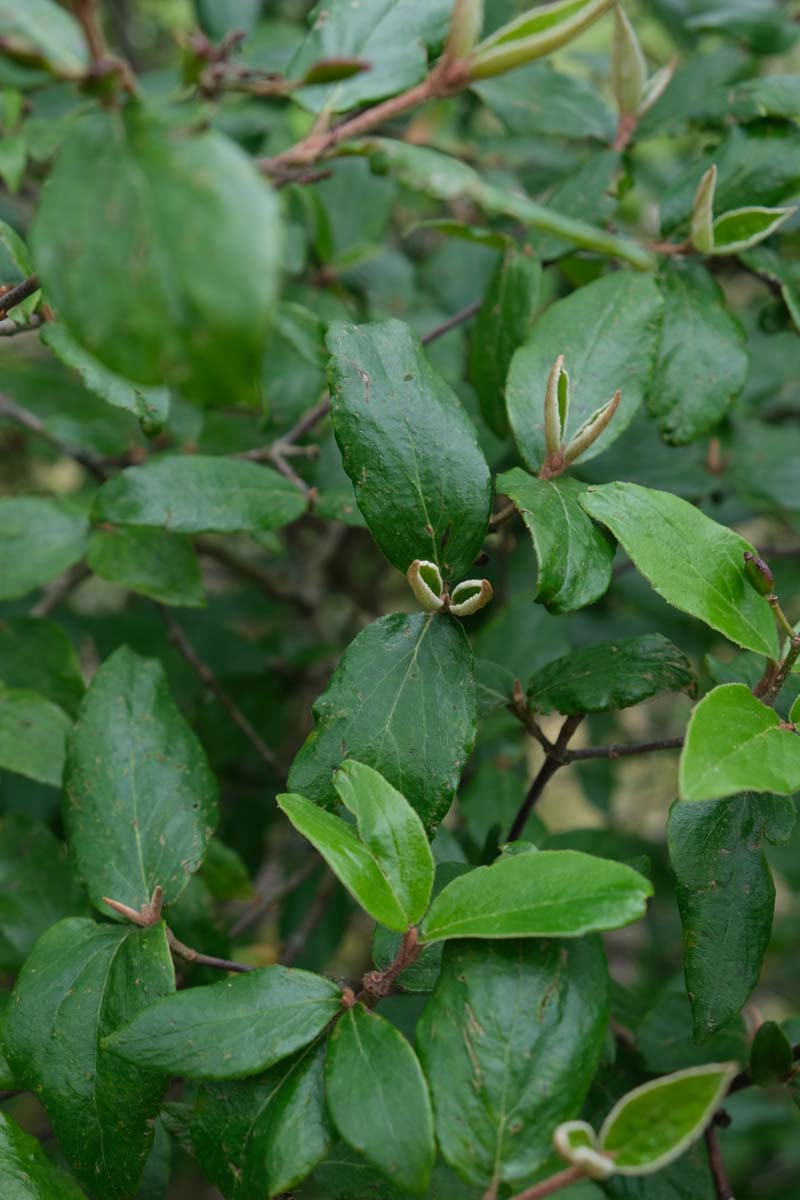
(80, 983)
(538, 100)
(33, 731)
(608, 333)
(503, 322)
(721, 872)
(8, 1080)
(26, 1173)
(39, 539)
(420, 478)
(494, 686)
(402, 700)
(196, 493)
(611, 675)
(510, 1041)
(555, 893)
(37, 887)
(771, 1055)
(137, 296)
(393, 36)
(149, 404)
(236, 1027)
(692, 562)
(152, 562)
(259, 1137)
(702, 363)
(37, 654)
(665, 1035)
(389, 1121)
(41, 32)
(141, 802)
(573, 553)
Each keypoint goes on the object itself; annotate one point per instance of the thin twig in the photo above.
(9, 327)
(88, 17)
(548, 769)
(554, 1184)
(458, 318)
(17, 294)
(501, 516)
(745, 1080)
(722, 1186)
(28, 420)
(377, 985)
(57, 592)
(205, 960)
(617, 751)
(150, 913)
(316, 911)
(181, 642)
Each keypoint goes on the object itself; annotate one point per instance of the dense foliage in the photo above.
(400, 509)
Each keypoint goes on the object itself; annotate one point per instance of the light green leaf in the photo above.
(555, 893)
(39, 539)
(402, 700)
(539, 100)
(734, 743)
(608, 333)
(80, 983)
(153, 562)
(419, 476)
(197, 493)
(37, 654)
(32, 735)
(136, 296)
(655, 1123)
(141, 802)
(573, 553)
(692, 562)
(22, 259)
(389, 1121)
(149, 404)
(742, 228)
(393, 834)
(236, 1027)
(262, 1136)
(510, 1041)
(611, 675)
(534, 34)
(42, 33)
(26, 1173)
(348, 858)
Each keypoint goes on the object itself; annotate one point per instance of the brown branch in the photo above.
(722, 1186)
(86, 12)
(745, 1080)
(316, 911)
(17, 294)
(458, 318)
(548, 769)
(150, 913)
(501, 516)
(181, 642)
(376, 985)
(617, 751)
(204, 960)
(9, 327)
(554, 1184)
(28, 420)
(57, 591)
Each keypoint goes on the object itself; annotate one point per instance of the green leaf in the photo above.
(141, 802)
(510, 1041)
(80, 983)
(7, 1078)
(39, 539)
(393, 834)
(534, 34)
(782, 271)
(555, 893)
(503, 321)
(702, 363)
(611, 675)
(734, 743)
(608, 334)
(37, 887)
(150, 405)
(494, 686)
(587, 193)
(22, 259)
(236, 1027)
(388, 1117)
(573, 553)
(539, 100)
(37, 654)
(655, 1123)
(771, 1055)
(715, 850)
(743, 228)
(420, 478)
(40, 32)
(219, 17)
(153, 562)
(665, 1040)
(260, 1137)
(32, 735)
(348, 858)
(402, 700)
(196, 493)
(26, 1173)
(692, 562)
(393, 36)
(137, 297)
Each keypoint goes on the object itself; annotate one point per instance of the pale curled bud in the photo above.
(701, 227)
(533, 34)
(576, 1142)
(556, 404)
(759, 576)
(425, 580)
(628, 66)
(590, 431)
(466, 24)
(470, 596)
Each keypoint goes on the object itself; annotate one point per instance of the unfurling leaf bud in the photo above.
(576, 1142)
(465, 28)
(470, 596)
(759, 576)
(701, 228)
(654, 88)
(591, 429)
(628, 66)
(556, 403)
(533, 35)
(426, 583)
